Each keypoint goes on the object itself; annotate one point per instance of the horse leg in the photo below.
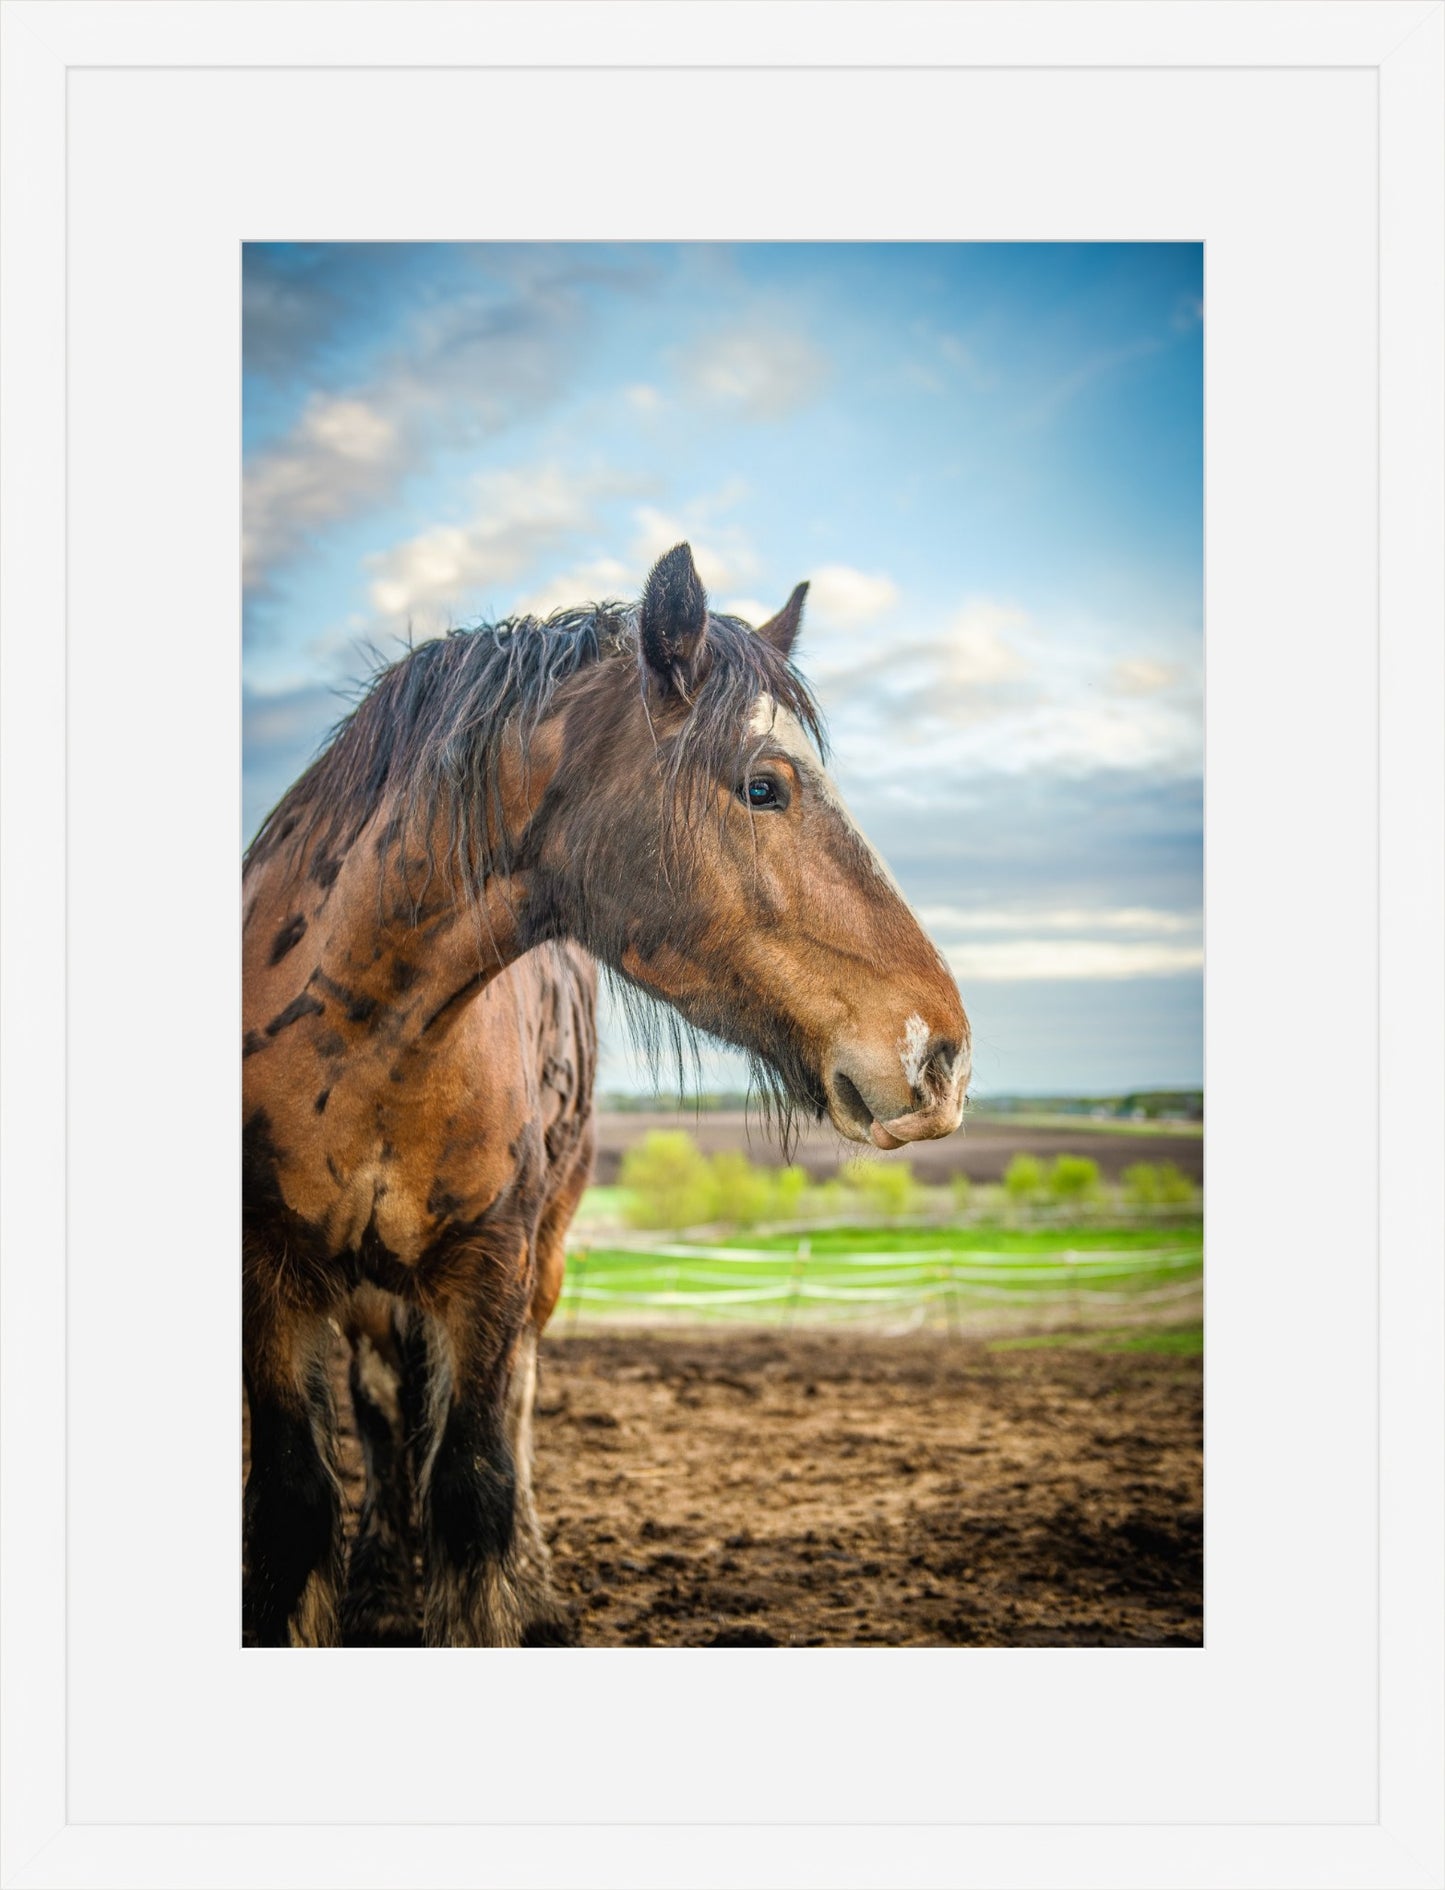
(380, 1604)
(544, 1622)
(292, 1509)
(544, 1617)
(469, 1483)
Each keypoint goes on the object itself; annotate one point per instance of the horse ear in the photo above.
(782, 630)
(674, 618)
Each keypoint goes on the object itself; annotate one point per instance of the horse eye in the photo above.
(760, 792)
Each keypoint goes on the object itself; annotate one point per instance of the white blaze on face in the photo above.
(784, 728)
(913, 1050)
(770, 722)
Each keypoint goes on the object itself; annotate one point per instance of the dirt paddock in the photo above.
(813, 1488)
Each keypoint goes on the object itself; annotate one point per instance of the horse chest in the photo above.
(404, 1195)
(375, 1211)
(384, 1181)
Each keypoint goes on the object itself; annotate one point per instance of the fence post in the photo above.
(805, 1248)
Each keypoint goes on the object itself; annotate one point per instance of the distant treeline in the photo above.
(1139, 1105)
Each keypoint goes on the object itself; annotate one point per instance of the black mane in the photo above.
(428, 728)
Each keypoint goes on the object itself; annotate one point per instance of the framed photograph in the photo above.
(891, 1384)
(718, 257)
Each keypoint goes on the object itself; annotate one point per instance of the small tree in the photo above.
(1140, 1183)
(961, 1188)
(1149, 1186)
(790, 1185)
(1024, 1178)
(741, 1193)
(828, 1200)
(886, 1188)
(670, 1182)
(1174, 1187)
(1074, 1179)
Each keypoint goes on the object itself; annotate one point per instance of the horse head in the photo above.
(691, 837)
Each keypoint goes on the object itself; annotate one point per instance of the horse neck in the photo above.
(390, 935)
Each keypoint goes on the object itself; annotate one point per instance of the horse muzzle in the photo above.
(916, 1095)
(924, 1125)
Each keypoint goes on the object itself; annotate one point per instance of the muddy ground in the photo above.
(982, 1152)
(833, 1489)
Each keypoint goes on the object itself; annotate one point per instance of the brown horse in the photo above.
(642, 786)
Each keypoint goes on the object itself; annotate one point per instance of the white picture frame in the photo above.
(1305, 145)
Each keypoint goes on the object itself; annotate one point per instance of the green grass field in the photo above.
(917, 1274)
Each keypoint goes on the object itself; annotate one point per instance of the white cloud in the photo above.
(1141, 676)
(450, 571)
(343, 452)
(437, 576)
(1077, 735)
(724, 560)
(993, 691)
(1041, 960)
(587, 583)
(462, 368)
(837, 594)
(946, 919)
(643, 399)
(925, 734)
(453, 570)
(1044, 943)
(977, 649)
(750, 609)
(966, 670)
(763, 371)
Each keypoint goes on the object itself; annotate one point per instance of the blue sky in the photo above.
(988, 458)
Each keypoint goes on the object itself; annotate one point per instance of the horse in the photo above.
(641, 787)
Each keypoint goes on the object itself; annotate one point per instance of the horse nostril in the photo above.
(851, 1097)
(941, 1064)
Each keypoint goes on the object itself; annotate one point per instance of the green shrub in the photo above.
(1149, 1186)
(790, 1188)
(669, 1180)
(670, 1183)
(1140, 1183)
(886, 1188)
(1024, 1178)
(827, 1200)
(1074, 1178)
(1174, 1187)
(961, 1188)
(742, 1195)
